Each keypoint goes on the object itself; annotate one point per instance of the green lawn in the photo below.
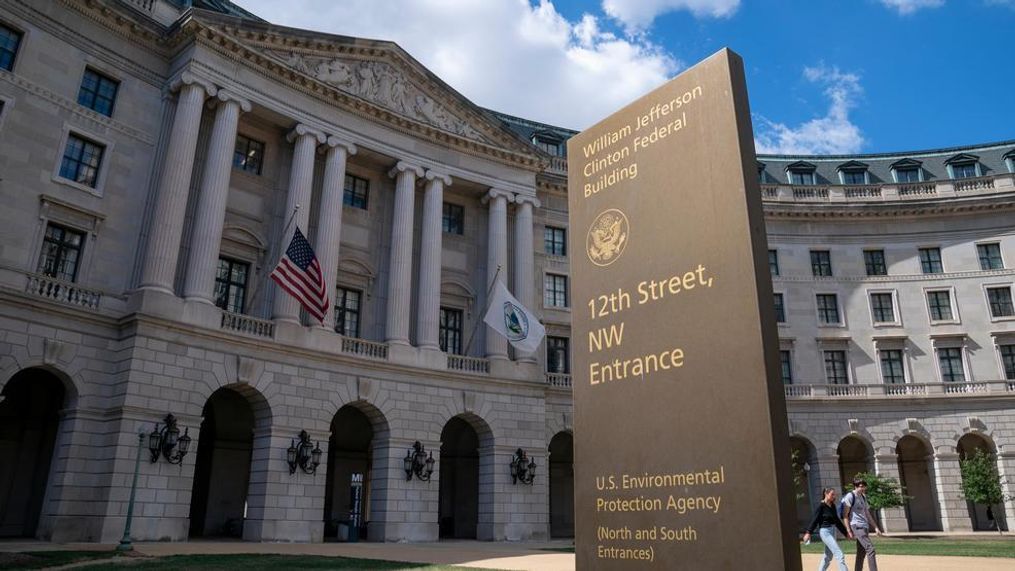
(995, 547)
(247, 562)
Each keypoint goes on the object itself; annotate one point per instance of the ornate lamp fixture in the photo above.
(523, 469)
(417, 462)
(305, 455)
(167, 442)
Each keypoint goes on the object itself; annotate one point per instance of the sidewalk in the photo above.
(530, 556)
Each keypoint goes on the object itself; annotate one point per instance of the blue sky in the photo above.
(824, 76)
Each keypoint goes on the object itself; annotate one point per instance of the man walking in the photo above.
(857, 516)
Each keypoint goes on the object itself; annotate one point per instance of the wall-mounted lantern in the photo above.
(167, 442)
(417, 462)
(523, 469)
(306, 455)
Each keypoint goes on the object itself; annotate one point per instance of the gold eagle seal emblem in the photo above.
(607, 237)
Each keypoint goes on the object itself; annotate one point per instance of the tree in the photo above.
(799, 474)
(981, 484)
(882, 492)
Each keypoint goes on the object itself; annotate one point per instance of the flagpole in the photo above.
(274, 253)
(482, 315)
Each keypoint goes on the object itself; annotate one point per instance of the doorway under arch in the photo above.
(561, 485)
(29, 423)
(981, 517)
(854, 458)
(348, 488)
(917, 481)
(458, 496)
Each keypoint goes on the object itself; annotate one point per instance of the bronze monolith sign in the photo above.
(681, 454)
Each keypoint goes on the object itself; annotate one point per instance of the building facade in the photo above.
(154, 159)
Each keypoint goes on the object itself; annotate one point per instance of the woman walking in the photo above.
(826, 521)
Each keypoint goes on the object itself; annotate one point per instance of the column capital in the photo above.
(227, 95)
(403, 166)
(524, 199)
(433, 174)
(498, 193)
(302, 130)
(336, 141)
(188, 78)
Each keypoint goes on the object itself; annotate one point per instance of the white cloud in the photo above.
(509, 55)
(834, 133)
(905, 7)
(638, 14)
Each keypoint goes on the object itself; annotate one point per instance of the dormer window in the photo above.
(907, 171)
(964, 166)
(549, 145)
(761, 173)
(800, 173)
(1009, 160)
(853, 172)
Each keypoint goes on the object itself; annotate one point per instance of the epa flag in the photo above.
(512, 320)
(299, 273)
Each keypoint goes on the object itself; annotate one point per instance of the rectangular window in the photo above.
(98, 92)
(908, 174)
(967, 170)
(930, 261)
(821, 263)
(950, 359)
(801, 178)
(828, 309)
(882, 308)
(81, 160)
(773, 262)
(347, 311)
(1008, 361)
(990, 256)
(453, 219)
(940, 305)
(999, 299)
(555, 290)
(61, 251)
(248, 155)
(356, 191)
(451, 330)
(548, 146)
(231, 285)
(835, 368)
(892, 371)
(10, 40)
(854, 177)
(780, 309)
(557, 355)
(555, 241)
(874, 262)
(786, 364)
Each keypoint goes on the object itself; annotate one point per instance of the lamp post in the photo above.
(125, 544)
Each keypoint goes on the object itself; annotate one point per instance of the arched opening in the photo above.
(218, 504)
(800, 452)
(347, 489)
(458, 505)
(29, 421)
(982, 518)
(562, 485)
(917, 482)
(854, 458)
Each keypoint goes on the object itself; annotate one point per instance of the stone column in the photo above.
(496, 257)
(163, 248)
(301, 179)
(400, 260)
(211, 206)
(886, 464)
(329, 219)
(524, 258)
(428, 305)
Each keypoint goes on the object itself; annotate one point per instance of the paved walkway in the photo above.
(530, 556)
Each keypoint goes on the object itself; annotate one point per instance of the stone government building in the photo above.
(152, 157)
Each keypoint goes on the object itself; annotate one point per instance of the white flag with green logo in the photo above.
(513, 320)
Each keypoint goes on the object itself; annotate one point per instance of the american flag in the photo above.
(299, 273)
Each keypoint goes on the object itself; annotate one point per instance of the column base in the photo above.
(283, 531)
(402, 532)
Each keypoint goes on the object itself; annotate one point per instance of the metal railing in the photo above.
(248, 325)
(62, 292)
(364, 348)
(562, 380)
(468, 364)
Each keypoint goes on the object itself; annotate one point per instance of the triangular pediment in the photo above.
(852, 166)
(906, 163)
(801, 166)
(372, 77)
(962, 158)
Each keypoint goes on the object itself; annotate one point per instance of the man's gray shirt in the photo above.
(857, 510)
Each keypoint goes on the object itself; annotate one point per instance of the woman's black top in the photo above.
(825, 516)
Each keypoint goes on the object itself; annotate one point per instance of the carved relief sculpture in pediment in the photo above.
(380, 83)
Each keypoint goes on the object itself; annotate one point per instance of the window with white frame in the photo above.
(450, 332)
(61, 252)
(347, 311)
(356, 191)
(82, 159)
(990, 256)
(821, 263)
(453, 218)
(231, 285)
(1008, 360)
(98, 92)
(939, 305)
(883, 307)
(248, 155)
(555, 241)
(828, 309)
(801, 177)
(964, 170)
(892, 367)
(950, 363)
(908, 174)
(836, 372)
(853, 176)
(1000, 301)
(555, 290)
(10, 41)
